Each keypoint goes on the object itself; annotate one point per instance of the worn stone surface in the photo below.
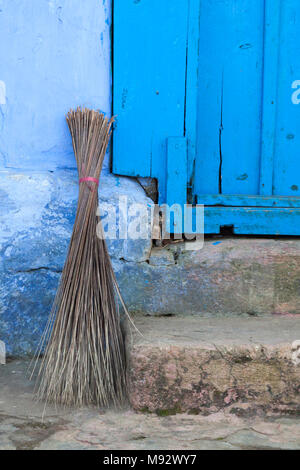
(35, 231)
(23, 427)
(202, 365)
(228, 276)
(116, 193)
(36, 227)
(161, 257)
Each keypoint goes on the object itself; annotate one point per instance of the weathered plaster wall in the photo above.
(54, 55)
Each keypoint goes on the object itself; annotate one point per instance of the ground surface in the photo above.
(193, 364)
(22, 425)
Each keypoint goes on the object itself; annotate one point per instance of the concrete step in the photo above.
(202, 365)
(250, 276)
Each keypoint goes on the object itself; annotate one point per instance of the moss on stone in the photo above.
(170, 412)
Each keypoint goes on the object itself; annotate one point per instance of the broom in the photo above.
(84, 360)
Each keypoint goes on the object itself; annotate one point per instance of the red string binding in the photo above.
(89, 178)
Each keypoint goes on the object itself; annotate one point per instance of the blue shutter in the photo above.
(150, 47)
(203, 98)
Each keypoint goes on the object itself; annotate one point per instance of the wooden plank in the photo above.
(229, 98)
(176, 170)
(149, 84)
(270, 87)
(242, 220)
(192, 87)
(242, 90)
(250, 201)
(209, 100)
(258, 221)
(176, 178)
(286, 179)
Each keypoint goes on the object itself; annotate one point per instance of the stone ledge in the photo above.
(249, 276)
(202, 365)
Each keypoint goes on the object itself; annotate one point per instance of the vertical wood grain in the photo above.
(270, 87)
(150, 42)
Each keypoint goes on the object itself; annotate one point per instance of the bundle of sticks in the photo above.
(84, 358)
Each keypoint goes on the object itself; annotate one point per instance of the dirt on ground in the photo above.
(26, 424)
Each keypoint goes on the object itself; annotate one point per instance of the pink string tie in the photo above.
(89, 178)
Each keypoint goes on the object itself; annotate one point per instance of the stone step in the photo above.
(202, 365)
(250, 276)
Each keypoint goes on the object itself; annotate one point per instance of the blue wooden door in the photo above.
(203, 98)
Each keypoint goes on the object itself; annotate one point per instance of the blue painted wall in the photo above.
(54, 55)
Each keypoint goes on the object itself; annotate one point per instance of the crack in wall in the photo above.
(45, 268)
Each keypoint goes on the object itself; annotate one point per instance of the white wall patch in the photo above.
(2, 92)
(2, 353)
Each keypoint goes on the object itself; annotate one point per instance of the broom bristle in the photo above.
(84, 360)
